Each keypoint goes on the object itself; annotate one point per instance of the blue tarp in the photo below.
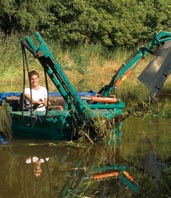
(3, 95)
(7, 94)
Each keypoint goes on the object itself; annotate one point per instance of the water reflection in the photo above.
(56, 170)
(37, 169)
(70, 169)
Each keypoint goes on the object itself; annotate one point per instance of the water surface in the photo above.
(65, 169)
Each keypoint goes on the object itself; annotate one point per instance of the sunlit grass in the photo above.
(86, 66)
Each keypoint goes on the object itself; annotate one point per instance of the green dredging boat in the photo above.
(88, 115)
(93, 116)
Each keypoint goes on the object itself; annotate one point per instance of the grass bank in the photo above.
(87, 67)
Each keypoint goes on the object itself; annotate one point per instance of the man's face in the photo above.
(34, 80)
(37, 170)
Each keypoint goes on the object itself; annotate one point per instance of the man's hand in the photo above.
(39, 102)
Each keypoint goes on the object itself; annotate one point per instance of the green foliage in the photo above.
(23, 16)
(111, 23)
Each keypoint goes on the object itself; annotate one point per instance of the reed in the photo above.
(5, 121)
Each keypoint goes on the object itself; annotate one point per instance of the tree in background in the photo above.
(111, 23)
(20, 16)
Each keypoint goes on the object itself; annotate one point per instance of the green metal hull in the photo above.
(56, 126)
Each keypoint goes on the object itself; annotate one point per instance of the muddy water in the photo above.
(66, 169)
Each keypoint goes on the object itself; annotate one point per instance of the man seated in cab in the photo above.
(37, 95)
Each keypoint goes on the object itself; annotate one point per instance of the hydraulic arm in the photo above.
(157, 71)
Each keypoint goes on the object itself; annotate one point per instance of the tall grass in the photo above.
(91, 63)
(87, 66)
(10, 52)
